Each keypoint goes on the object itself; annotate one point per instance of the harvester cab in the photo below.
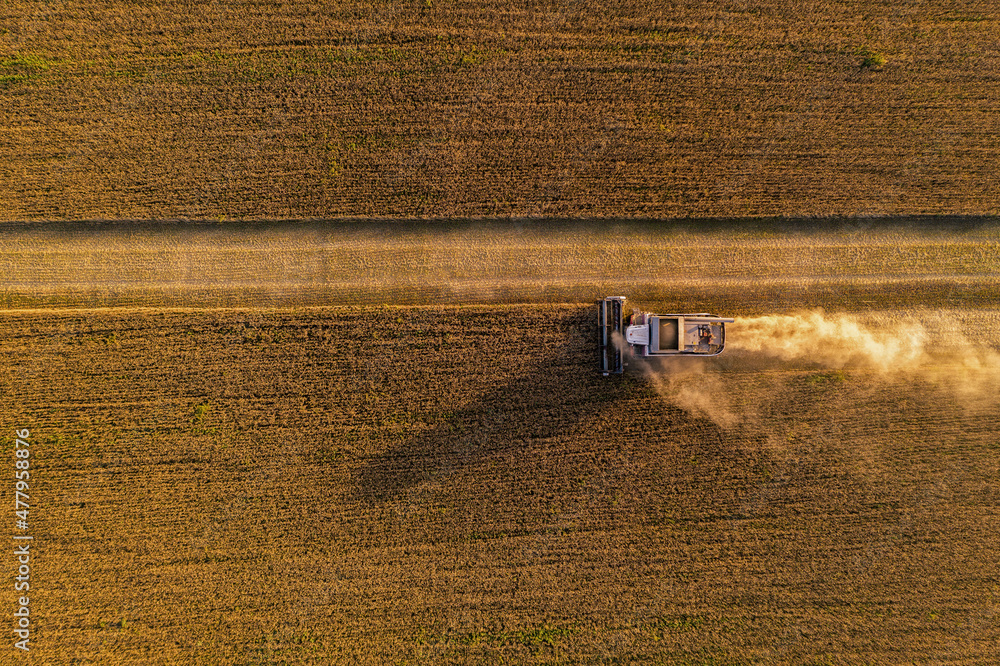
(644, 334)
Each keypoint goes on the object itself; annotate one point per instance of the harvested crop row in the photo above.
(744, 269)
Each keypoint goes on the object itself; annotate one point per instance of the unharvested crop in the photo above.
(259, 110)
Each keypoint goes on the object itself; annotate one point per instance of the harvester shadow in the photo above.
(557, 412)
(549, 398)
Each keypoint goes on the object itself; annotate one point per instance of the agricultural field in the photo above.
(252, 109)
(449, 483)
(296, 302)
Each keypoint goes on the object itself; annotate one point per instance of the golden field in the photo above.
(310, 109)
(296, 303)
(457, 484)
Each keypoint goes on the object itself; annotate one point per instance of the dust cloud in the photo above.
(949, 350)
(835, 341)
(690, 383)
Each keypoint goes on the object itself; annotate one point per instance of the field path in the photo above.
(741, 270)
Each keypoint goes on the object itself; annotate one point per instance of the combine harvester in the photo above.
(655, 335)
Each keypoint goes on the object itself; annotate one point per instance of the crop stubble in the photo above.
(442, 484)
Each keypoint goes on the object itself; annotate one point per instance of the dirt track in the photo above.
(742, 268)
